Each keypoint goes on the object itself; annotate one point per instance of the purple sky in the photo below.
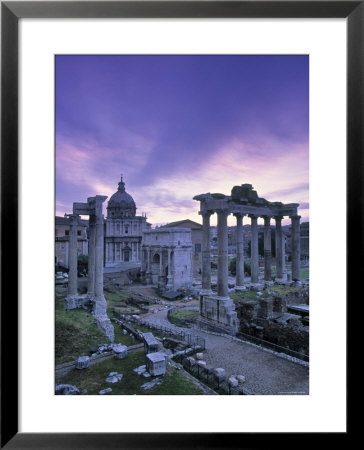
(177, 126)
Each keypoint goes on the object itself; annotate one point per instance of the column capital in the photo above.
(295, 217)
(253, 216)
(238, 215)
(206, 213)
(266, 219)
(222, 212)
(279, 218)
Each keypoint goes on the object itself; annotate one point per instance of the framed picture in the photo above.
(24, 168)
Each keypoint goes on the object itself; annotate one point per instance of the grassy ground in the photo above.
(93, 379)
(188, 314)
(247, 295)
(76, 331)
(284, 290)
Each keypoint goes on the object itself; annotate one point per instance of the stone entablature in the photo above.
(174, 237)
(167, 258)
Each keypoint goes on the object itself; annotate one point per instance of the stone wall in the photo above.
(122, 278)
(268, 320)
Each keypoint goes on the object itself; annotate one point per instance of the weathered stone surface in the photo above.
(156, 363)
(151, 384)
(199, 355)
(120, 351)
(105, 391)
(141, 369)
(150, 343)
(220, 372)
(82, 362)
(66, 389)
(233, 381)
(114, 377)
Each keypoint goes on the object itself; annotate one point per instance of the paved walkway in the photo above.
(265, 373)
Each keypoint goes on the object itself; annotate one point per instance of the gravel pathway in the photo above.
(265, 373)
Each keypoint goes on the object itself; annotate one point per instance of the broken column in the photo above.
(99, 307)
(91, 256)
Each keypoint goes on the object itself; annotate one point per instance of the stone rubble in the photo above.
(141, 369)
(151, 384)
(105, 391)
(83, 362)
(114, 377)
(66, 389)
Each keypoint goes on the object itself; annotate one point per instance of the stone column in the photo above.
(72, 255)
(91, 256)
(206, 252)
(169, 276)
(67, 253)
(148, 273)
(160, 262)
(295, 247)
(99, 257)
(99, 304)
(160, 277)
(267, 250)
(239, 285)
(254, 253)
(222, 265)
(279, 248)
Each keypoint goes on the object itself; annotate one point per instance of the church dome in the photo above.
(121, 205)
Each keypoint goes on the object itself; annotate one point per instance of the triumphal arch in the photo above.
(217, 310)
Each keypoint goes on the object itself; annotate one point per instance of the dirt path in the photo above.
(265, 372)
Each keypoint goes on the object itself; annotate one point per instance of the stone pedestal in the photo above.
(218, 314)
(83, 362)
(150, 343)
(120, 351)
(156, 363)
(265, 310)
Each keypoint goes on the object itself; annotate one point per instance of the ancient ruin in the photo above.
(95, 288)
(167, 258)
(217, 310)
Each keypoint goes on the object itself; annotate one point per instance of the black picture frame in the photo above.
(11, 12)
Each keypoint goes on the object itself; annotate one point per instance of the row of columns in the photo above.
(222, 238)
(111, 251)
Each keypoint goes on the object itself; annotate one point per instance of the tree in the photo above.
(232, 267)
(261, 244)
(82, 265)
